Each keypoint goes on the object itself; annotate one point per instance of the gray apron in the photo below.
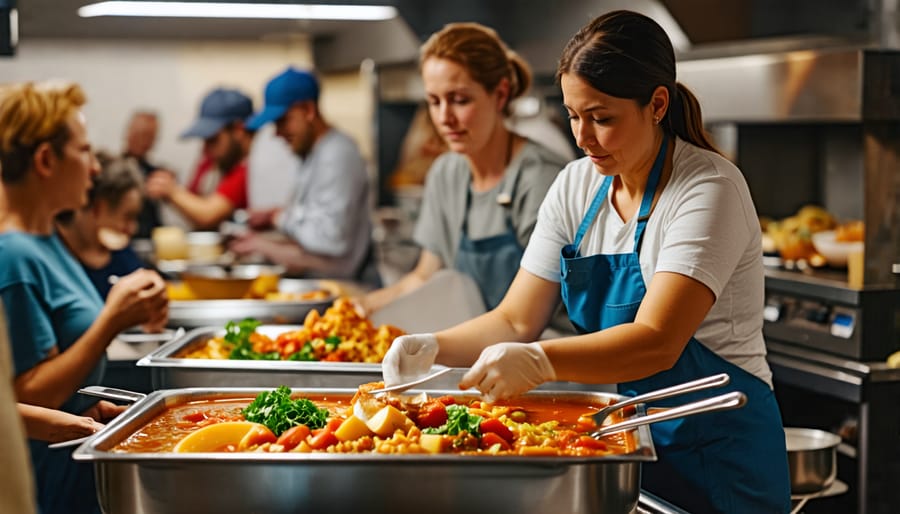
(491, 261)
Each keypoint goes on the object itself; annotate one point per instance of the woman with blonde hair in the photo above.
(481, 198)
(59, 327)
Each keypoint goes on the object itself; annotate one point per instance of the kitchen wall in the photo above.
(171, 79)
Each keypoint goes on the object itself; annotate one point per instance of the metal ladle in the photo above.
(688, 387)
(727, 401)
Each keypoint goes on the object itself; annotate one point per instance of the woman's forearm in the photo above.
(54, 425)
(55, 379)
(637, 351)
(204, 212)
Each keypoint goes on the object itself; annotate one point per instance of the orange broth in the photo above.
(162, 433)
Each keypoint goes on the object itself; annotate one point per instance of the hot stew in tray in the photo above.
(277, 421)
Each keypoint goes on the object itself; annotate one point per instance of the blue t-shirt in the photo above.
(49, 302)
(121, 263)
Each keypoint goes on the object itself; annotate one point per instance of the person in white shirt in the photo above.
(272, 170)
(327, 228)
(652, 241)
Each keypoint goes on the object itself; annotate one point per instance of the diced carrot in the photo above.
(496, 426)
(490, 439)
(293, 436)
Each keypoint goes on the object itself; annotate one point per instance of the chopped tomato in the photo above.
(322, 440)
(447, 400)
(496, 426)
(432, 414)
(195, 417)
(333, 424)
(586, 441)
(490, 439)
(293, 436)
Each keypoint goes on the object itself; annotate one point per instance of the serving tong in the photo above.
(732, 400)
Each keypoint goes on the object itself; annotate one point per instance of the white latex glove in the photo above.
(408, 358)
(508, 369)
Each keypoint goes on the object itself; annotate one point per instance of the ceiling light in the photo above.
(235, 10)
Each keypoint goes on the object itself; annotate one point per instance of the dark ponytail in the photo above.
(628, 55)
(685, 120)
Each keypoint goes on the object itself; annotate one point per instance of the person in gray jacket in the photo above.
(327, 225)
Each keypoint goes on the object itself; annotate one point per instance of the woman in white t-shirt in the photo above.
(653, 242)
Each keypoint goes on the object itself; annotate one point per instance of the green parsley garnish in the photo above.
(237, 335)
(458, 420)
(276, 410)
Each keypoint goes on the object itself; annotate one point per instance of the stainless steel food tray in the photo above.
(168, 371)
(239, 483)
(202, 313)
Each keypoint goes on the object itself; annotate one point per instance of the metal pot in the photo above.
(173, 483)
(812, 459)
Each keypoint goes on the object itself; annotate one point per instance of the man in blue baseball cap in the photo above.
(327, 226)
(226, 145)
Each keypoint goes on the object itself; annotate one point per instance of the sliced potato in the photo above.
(352, 429)
(256, 436)
(218, 437)
(432, 443)
(387, 420)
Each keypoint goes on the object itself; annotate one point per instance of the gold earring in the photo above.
(656, 120)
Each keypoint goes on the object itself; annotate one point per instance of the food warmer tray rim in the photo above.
(163, 356)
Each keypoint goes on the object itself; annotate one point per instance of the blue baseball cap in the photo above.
(283, 91)
(219, 108)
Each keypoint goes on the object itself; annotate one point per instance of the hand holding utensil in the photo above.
(107, 393)
(412, 383)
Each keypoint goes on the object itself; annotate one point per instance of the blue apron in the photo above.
(733, 461)
(491, 261)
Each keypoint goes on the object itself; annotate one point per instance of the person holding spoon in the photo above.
(99, 233)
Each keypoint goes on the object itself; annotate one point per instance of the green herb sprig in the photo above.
(238, 336)
(276, 410)
(458, 420)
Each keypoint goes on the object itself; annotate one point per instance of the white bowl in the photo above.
(835, 252)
